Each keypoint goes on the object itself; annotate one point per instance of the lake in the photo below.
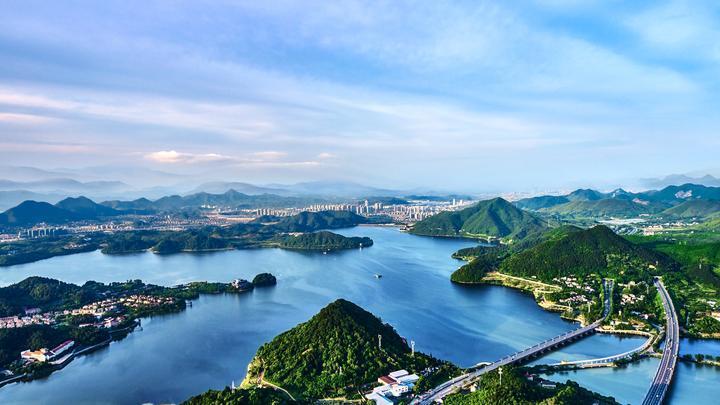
(209, 345)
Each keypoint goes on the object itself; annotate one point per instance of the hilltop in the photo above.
(315, 221)
(85, 208)
(333, 354)
(70, 209)
(571, 251)
(620, 203)
(597, 250)
(493, 218)
(32, 212)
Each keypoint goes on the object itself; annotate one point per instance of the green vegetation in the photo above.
(54, 296)
(601, 209)
(494, 218)
(315, 221)
(13, 341)
(479, 266)
(209, 238)
(695, 209)
(684, 201)
(322, 240)
(70, 209)
(333, 354)
(484, 259)
(516, 389)
(696, 289)
(230, 198)
(264, 280)
(249, 396)
(594, 251)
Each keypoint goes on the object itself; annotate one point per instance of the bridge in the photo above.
(462, 381)
(609, 359)
(666, 369)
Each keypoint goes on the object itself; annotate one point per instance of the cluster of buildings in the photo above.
(393, 385)
(99, 309)
(582, 291)
(33, 318)
(631, 298)
(46, 355)
(400, 213)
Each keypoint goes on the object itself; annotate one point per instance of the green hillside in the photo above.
(85, 208)
(483, 259)
(315, 221)
(333, 354)
(597, 250)
(543, 201)
(601, 208)
(496, 218)
(251, 396)
(695, 209)
(323, 240)
(33, 212)
(516, 389)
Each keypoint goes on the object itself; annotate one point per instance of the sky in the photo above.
(465, 95)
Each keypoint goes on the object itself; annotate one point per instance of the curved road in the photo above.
(666, 369)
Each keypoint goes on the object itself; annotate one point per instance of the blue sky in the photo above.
(474, 95)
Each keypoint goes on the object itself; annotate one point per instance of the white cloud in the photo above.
(270, 155)
(171, 156)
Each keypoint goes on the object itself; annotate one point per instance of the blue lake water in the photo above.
(209, 345)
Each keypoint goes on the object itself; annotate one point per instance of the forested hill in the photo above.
(695, 209)
(315, 221)
(496, 218)
(70, 209)
(323, 240)
(597, 250)
(333, 354)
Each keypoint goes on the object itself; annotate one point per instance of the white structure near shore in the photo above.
(395, 384)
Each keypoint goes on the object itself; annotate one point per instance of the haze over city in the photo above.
(468, 96)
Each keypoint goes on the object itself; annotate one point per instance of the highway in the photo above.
(666, 369)
(457, 383)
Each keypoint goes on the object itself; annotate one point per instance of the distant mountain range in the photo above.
(64, 185)
(495, 218)
(69, 209)
(706, 180)
(621, 203)
(228, 199)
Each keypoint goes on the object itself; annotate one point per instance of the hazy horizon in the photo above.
(462, 96)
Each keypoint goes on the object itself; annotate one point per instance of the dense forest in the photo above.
(491, 218)
(248, 396)
(597, 250)
(516, 389)
(334, 354)
(323, 240)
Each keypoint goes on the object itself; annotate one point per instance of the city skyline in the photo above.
(454, 96)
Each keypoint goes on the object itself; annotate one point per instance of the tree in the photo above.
(38, 341)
